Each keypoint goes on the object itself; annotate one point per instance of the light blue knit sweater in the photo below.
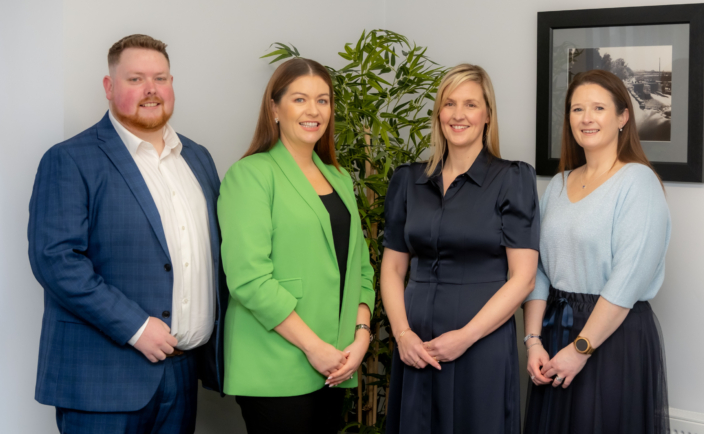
(612, 242)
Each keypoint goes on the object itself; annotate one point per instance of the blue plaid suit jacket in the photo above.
(97, 247)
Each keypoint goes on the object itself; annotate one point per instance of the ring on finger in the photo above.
(415, 364)
(558, 379)
(532, 377)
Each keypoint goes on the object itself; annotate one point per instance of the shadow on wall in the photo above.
(218, 415)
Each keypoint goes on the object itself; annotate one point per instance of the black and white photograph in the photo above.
(647, 73)
(655, 51)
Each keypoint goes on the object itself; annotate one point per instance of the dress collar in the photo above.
(477, 171)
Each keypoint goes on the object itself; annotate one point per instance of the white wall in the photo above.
(501, 36)
(31, 119)
(52, 60)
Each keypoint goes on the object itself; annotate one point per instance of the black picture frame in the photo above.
(692, 14)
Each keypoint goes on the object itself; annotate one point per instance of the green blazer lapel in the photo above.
(293, 173)
(339, 184)
(335, 179)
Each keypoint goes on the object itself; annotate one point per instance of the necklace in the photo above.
(584, 184)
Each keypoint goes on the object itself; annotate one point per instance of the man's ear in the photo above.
(107, 85)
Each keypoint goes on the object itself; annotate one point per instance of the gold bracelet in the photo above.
(532, 345)
(403, 333)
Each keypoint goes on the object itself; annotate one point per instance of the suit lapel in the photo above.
(117, 152)
(293, 173)
(189, 154)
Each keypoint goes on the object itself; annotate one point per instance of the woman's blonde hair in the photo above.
(453, 79)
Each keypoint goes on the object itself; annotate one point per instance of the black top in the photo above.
(340, 222)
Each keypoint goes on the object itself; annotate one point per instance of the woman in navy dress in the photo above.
(463, 221)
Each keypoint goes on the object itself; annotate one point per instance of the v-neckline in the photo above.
(567, 194)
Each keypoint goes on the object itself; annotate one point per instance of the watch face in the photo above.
(581, 345)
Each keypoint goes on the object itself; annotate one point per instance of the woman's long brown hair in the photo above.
(267, 134)
(629, 149)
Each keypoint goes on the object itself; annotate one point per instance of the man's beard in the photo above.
(137, 122)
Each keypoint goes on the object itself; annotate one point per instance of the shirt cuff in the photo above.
(137, 335)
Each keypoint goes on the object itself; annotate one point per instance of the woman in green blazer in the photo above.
(297, 264)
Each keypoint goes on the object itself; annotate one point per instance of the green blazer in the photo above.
(278, 255)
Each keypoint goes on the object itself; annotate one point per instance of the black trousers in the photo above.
(319, 412)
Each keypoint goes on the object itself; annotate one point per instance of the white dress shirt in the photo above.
(184, 217)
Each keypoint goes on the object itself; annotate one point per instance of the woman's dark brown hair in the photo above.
(267, 132)
(629, 149)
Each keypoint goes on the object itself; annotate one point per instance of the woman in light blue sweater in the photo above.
(599, 365)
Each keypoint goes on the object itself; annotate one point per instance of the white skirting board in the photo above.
(686, 422)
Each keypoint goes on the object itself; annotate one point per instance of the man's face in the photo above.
(140, 90)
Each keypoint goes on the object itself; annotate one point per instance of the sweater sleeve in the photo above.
(639, 240)
(244, 211)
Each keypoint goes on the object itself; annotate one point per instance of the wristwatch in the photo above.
(583, 346)
(365, 327)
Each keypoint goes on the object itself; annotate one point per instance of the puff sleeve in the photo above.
(395, 210)
(519, 208)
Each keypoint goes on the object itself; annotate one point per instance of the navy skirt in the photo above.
(622, 388)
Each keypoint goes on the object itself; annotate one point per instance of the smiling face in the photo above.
(304, 111)
(594, 117)
(140, 90)
(464, 114)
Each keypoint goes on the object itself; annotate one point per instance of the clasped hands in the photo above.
(338, 366)
(444, 348)
(560, 370)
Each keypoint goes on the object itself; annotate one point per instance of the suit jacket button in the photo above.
(166, 314)
(167, 267)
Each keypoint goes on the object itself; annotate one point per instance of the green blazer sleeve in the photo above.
(245, 207)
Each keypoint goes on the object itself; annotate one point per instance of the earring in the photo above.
(620, 129)
(276, 120)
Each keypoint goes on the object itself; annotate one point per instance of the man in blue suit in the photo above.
(124, 239)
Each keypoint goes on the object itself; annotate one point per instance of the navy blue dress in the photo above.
(457, 247)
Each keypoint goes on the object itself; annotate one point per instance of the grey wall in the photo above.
(31, 119)
(52, 60)
(501, 37)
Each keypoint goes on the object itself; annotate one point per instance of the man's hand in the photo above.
(156, 341)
